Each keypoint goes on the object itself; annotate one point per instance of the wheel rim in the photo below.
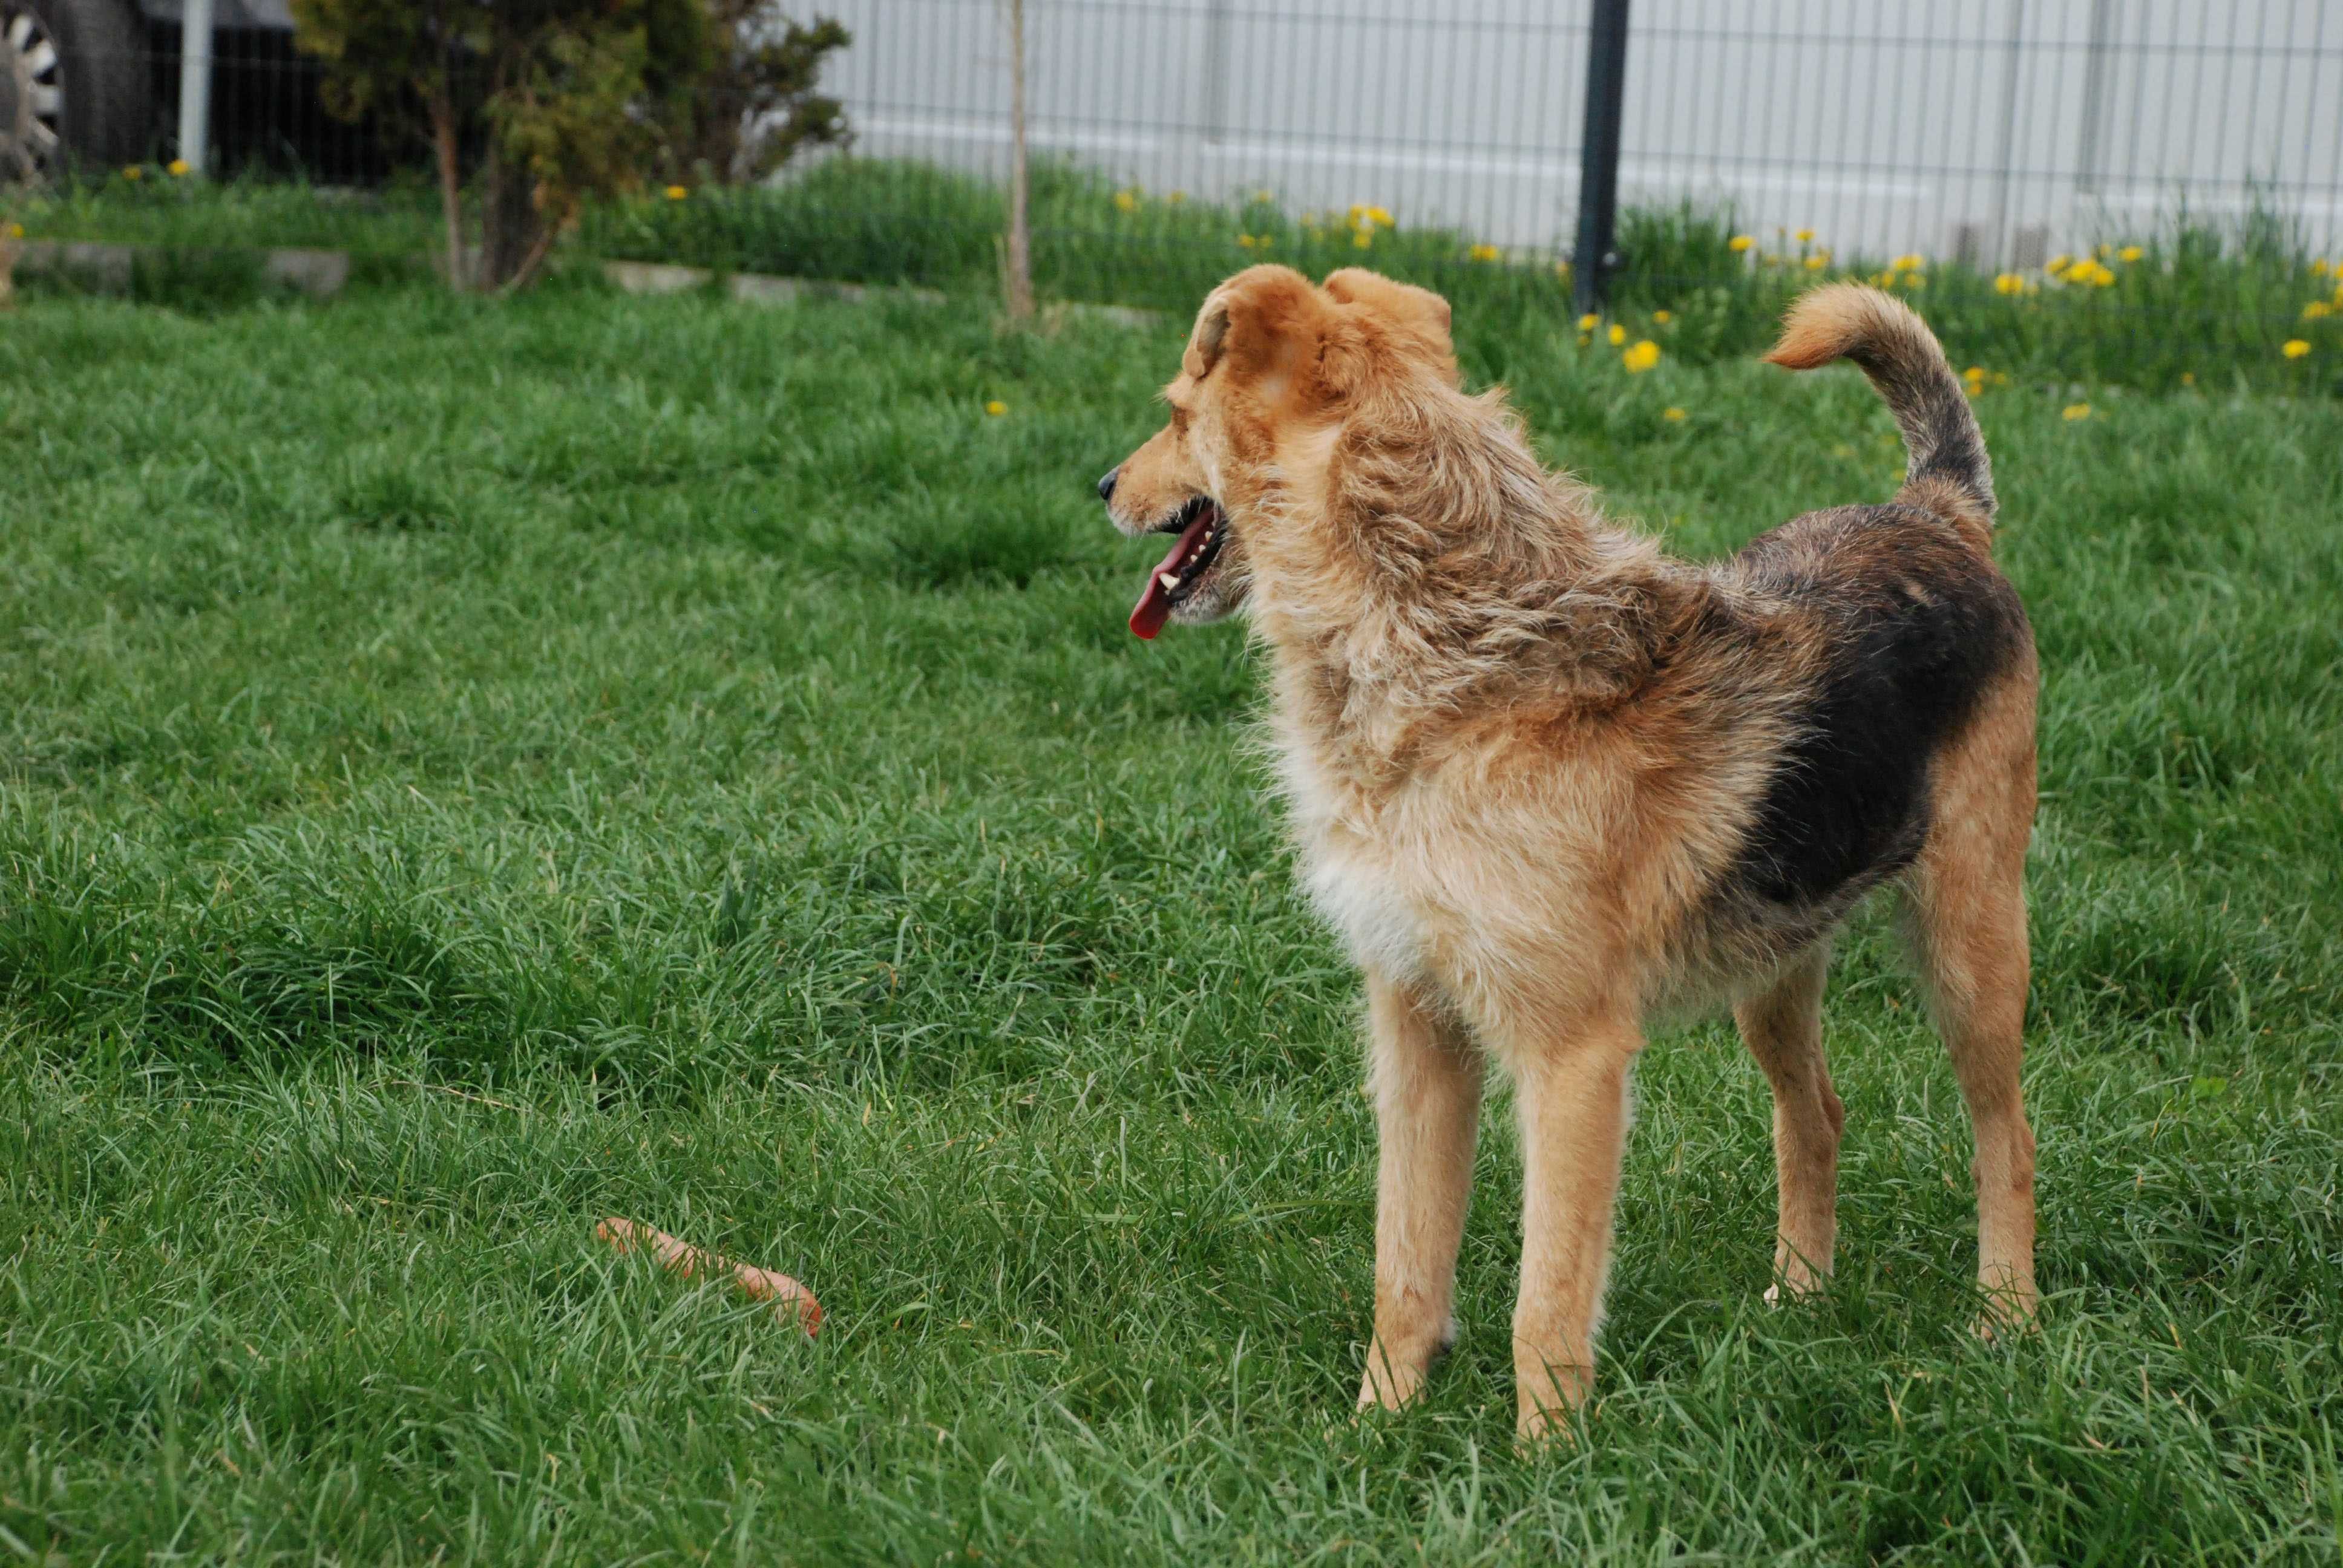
(32, 92)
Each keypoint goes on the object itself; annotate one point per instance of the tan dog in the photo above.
(1548, 783)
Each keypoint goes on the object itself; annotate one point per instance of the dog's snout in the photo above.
(1106, 485)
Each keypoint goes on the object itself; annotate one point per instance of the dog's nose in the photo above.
(1106, 486)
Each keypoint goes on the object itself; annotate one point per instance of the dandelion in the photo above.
(2074, 411)
(2008, 283)
(1126, 201)
(133, 171)
(1381, 215)
(2189, 378)
(1803, 235)
(2294, 348)
(1246, 241)
(2058, 263)
(2130, 253)
(2319, 267)
(1818, 261)
(1483, 253)
(677, 192)
(1641, 357)
(1674, 416)
(16, 231)
(2316, 308)
(1662, 318)
(1912, 263)
(2101, 275)
(1364, 238)
(996, 407)
(1562, 269)
(1739, 243)
(1587, 323)
(1618, 334)
(178, 168)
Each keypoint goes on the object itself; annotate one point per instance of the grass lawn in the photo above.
(471, 768)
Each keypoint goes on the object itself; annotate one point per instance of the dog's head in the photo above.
(1273, 361)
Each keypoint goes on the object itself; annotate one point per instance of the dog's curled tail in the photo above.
(1947, 471)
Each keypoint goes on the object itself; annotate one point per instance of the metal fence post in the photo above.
(196, 85)
(1598, 159)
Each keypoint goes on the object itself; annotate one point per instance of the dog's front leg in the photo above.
(1572, 1094)
(1427, 1090)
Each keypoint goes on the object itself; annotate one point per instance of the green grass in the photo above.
(468, 769)
(2185, 303)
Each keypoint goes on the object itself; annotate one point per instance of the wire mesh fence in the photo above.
(2155, 179)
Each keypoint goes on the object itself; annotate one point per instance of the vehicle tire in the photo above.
(76, 78)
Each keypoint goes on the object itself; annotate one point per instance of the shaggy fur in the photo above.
(1549, 784)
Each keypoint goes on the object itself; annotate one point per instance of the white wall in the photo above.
(2003, 128)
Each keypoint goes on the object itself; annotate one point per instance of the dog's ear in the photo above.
(1414, 320)
(1262, 320)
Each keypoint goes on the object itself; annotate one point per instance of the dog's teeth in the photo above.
(1168, 580)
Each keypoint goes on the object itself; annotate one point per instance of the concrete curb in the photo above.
(323, 273)
(319, 274)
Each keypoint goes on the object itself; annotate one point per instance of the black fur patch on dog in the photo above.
(1918, 626)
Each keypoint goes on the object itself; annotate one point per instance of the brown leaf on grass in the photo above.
(790, 1298)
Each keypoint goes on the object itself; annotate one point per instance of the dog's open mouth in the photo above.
(1201, 530)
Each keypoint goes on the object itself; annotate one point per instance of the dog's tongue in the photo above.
(1154, 606)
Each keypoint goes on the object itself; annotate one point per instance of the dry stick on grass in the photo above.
(682, 1258)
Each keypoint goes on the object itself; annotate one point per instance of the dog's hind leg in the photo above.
(1965, 917)
(1784, 1029)
(1427, 1082)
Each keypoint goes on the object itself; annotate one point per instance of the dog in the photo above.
(1550, 785)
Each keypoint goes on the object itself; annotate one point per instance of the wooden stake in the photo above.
(1016, 266)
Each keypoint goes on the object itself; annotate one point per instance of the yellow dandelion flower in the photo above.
(1126, 201)
(1358, 212)
(996, 407)
(2074, 411)
(16, 231)
(1910, 263)
(1562, 269)
(2102, 274)
(2058, 263)
(1641, 357)
(1662, 317)
(1818, 261)
(2189, 378)
(1364, 238)
(1803, 235)
(677, 192)
(133, 171)
(1618, 334)
(1245, 240)
(1974, 373)
(2294, 348)
(177, 168)
(1882, 279)
(2130, 253)
(2008, 283)
(1483, 253)
(2316, 308)
(2080, 272)
(1673, 414)
(1587, 323)
(1739, 243)
(2319, 267)
(1381, 215)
